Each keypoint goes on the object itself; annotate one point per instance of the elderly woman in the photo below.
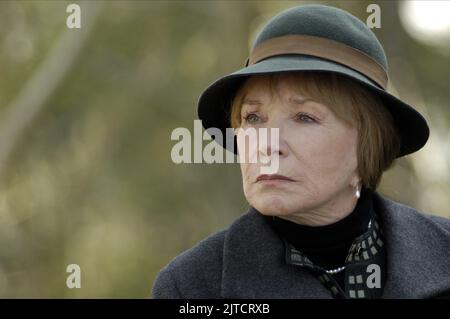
(316, 228)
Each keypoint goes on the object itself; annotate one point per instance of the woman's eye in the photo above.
(251, 118)
(305, 118)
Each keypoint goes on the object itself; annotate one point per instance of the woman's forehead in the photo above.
(295, 99)
(259, 90)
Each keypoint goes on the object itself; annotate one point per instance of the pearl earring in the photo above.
(358, 193)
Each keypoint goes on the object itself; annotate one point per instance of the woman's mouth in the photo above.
(273, 179)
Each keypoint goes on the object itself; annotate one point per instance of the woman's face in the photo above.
(317, 153)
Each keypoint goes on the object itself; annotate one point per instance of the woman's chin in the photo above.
(275, 205)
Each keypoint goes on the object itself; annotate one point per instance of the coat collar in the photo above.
(418, 261)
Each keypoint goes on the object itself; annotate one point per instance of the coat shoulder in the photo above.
(195, 273)
(418, 257)
(414, 217)
(441, 222)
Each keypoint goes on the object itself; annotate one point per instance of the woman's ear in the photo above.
(356, 182)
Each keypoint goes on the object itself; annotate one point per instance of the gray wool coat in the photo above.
(246, 260)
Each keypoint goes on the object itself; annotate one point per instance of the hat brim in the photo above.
(214, 103)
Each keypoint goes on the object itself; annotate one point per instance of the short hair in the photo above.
(378, 140)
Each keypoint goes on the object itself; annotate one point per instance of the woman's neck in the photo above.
(329, 213)
(341, 232)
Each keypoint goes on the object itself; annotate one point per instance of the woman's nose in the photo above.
(271, 142)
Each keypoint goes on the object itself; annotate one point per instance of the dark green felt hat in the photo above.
(315, 38)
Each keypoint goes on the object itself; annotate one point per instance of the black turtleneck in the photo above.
(327, 246)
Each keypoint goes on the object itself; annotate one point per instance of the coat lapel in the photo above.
(254, 265)
(418, 260)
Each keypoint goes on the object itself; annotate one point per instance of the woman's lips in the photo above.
(273, 178)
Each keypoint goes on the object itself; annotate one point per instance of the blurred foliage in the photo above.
(91, 181)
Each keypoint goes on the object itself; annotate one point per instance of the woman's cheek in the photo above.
(246, 175)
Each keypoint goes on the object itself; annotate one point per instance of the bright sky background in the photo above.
(427, 21)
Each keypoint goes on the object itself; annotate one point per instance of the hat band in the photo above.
(322, 48)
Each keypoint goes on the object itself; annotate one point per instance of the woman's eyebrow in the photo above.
(302, 101)
(314, 107)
